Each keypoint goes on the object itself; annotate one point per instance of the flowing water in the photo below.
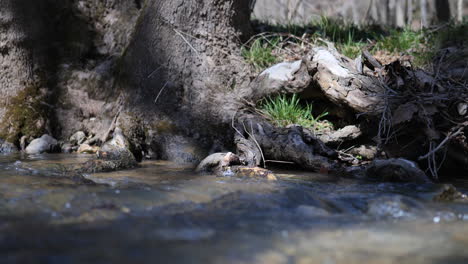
(163, 213)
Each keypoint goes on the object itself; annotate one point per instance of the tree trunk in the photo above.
(443, 10)
(188, 53)
(460, 11)
(409, 13)
(184, 67)
(23, 50)
(183, 74)
(423, 6)
(43, 47)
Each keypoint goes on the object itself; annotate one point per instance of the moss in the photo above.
(26, 116)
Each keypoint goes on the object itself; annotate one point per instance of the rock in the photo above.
(217, 161)
(394, 206)
(67, 148)
(114, 155)
(43, 144)
(247, 172)
(283, 71)
(118, 141)
(285, 77)
(448, 193)
(92, 140)
(396, 170)
(345, 134)
(462, 108)
(78, 138)
(133, 129)
(311, 211)
(87, 149)
(7, 147)
(366, 152)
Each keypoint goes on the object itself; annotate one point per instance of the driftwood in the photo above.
(341, 83)
(284, 144)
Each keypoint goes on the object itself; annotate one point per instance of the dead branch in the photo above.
(447, 138)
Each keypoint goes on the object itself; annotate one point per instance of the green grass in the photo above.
(350, 39)
(260, 53)
(285, 110)
(405, 40)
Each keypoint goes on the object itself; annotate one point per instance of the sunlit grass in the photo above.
(349, 39)
(260, 53)
(400, 41)
(285, 110)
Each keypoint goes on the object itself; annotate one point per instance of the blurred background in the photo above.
(401, 13)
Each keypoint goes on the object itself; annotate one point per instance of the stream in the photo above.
(164, 213)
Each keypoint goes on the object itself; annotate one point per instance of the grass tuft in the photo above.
(405, 40)
(285, 110)
(260, 53)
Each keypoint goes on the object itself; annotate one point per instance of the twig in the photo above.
(447, 138)
(160, 91)
(255, 141)
(186, 41)
(112, 125)
(153, 72)
(234, 127)
(280, 161)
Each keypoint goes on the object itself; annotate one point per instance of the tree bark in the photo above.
(184, 65)
(409, 12)
(188, 53)
(43, 47)
(23, 60)
(443, 10)
(460, 11)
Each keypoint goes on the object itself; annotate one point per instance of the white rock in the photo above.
(324, 57)
(78, 138)
(283, 71)
(462, 108)
(43, 144)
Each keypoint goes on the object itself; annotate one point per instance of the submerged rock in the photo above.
(247, 172)
(394, 206)
(44, 144)
(396, 170)
(448, 193)
(67, 148)
(311, 211)
(7, 147)
(217, 161)
(228, 164)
